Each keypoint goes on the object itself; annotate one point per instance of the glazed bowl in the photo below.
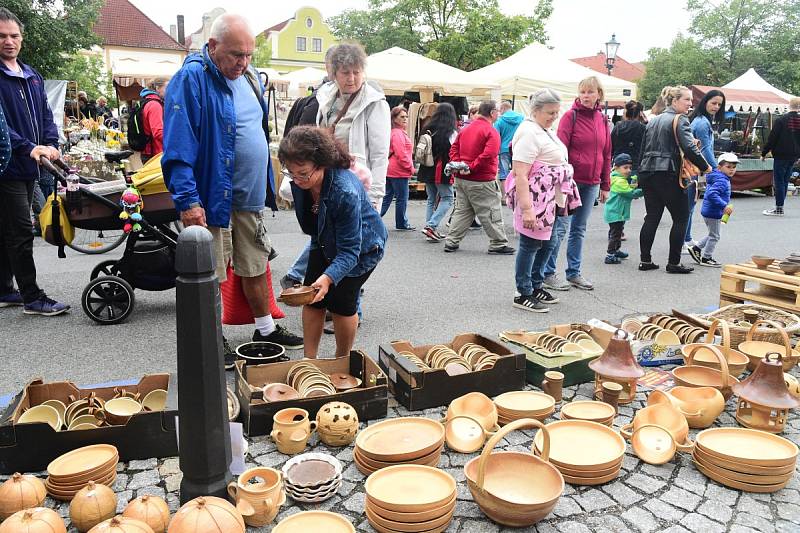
(259, 353)
(42, 413)
(298, 295)
(762, 261)
(155, 400)
(119, 410)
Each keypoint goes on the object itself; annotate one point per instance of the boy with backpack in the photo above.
(617, 209)
(716, 208)
(146, 121)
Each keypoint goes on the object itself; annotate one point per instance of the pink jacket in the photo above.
(586, 134)
(401, 164)
(543, 181)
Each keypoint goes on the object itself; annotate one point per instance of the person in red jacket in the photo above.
(585, 132)
(400, 170)
(153, 114)
(477, 190)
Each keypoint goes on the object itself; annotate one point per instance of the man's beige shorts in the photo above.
(245, 243)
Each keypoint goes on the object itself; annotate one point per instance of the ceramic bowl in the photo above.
(119, 410)
(789, 267)
(400, 439)
(410, 488)
(278, 392)
(155, 400)
(298, 295)
(653, 444)
(411, 518)
(59, 406)
(591, 410)
(762, 261)
(258, 353)
(476, 405)
(311, 470)
(42, 414)
(314, 521)
(464, 434)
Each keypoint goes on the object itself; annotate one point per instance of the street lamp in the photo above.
(611, 55)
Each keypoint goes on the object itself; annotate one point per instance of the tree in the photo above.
(89, 73)
(262, 53)
(54, 29)
(467, 34)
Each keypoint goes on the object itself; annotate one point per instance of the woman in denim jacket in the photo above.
(347, 234)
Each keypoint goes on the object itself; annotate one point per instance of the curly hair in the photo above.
(316, 145)
(347, 55)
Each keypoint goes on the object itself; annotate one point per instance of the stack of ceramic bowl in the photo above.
(419, 363)
(397, 441)
(410, 498)
(441, 356)
(745, 459)
(790, 265)
(478, 357)
(586, 453)
(309, 381)
(516, 405)
(590, 410)
(312, 477)
(686, 333)
(72, 471)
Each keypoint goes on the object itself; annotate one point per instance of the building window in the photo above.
(317, 45)
(301, 44)
(309, 22)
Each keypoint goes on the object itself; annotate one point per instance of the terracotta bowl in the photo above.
(737, 361)
(42, 414)
(588, 410)
(700, 376)
(464, 434)
(155, 400)
(278, 392)
(120, 410)
(664, 415)
(762, 261)
(789, 267)
(476, 405)
(410, 518)
(297, 296)
(653, 444)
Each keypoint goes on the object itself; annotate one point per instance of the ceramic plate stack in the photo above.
(398, 441)
(72, 471)
(591, 410)
(745, 459)
(523, 404)
(580, 463)
(312, 477)
(410, 498)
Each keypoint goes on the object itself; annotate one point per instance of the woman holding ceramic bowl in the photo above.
(347, 234)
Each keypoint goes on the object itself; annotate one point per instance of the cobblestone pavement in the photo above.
(674, 497)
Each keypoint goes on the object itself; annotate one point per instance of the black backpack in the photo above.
(137, 140)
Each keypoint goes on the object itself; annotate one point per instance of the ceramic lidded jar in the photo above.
(764, 397)
(617, 364)
(337, 423)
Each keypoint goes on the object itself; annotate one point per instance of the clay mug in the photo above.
(610, 394)
(291, 441)
(258, 502)
(552, 384)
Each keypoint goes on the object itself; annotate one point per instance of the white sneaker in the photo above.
(774, 212)
(556, 284)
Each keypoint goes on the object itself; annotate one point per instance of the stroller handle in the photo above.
(51, 168)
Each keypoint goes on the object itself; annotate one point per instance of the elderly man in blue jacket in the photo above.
(33, 135)
(217, 164)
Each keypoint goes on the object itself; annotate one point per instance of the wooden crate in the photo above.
(746, 282)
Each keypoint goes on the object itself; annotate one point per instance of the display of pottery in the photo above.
(258, 494)
(737, 361)
(692, 375)
(91, 505)
(470, 357)
(764, 399)
(476, 405)
(699, 405)
(687, 333)
(207, 514)
(298, 295)
(34, 520)
(20, 492)
(591, 410)
(516, 405)
(279, 392)
(122, 524)
(397, 441)
(309, 381)
(151, 510)
(576, 344)
(337, 423)
(756, 350)
(419, 363)
(70, 472)
(312, 477)
(617, 364)
(306, 521)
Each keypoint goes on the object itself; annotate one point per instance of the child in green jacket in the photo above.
(618, 206)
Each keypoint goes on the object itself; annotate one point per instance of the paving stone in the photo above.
(142, 464)
(742, 529)
(122, 500)
(698, 522)
(468, 509)
(479, 526)
(681, 498)
(351, 473)
(786, 495)
(786, 527)
(457, 473)
(622, 494)
(594, 500)
(331, 504)
(641, 519)
(607, 523)
(151, 491)
(676, 529)
(663, 471)
(356, 502)
(144, 479)
(346, 454)
(750, 506)
(459, 459)
(518, 437)
(629, 462)
(715, 492)
(173, 483)
(463, 492)
(272, 459)
(664, 511)
(572, 527)
(756, 522)
(541, 527)
(173, 502)
(170, 466)
(644, 483)
(789, 511)
(716, 511)
(120, 483)
(567, 507)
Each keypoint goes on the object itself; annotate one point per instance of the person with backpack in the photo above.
(146, 123)
(433, 154)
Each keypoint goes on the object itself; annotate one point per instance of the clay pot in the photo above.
(151, 510)
(298, 295)
(91, 505)
(478, 406)
(207, 514)
(764, 398)
(337, 424)
(34, 520)
(258, 502)
(700, 405)
(664, 415)
(20, 492)
(122, 524)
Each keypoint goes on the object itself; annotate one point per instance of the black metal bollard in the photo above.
(204, 434)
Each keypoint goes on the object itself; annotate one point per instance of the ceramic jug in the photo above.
(259, 502)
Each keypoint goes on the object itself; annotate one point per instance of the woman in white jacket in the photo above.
(357, 113)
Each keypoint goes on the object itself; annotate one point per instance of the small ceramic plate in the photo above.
(410, 488)
(524, 402)
(587, 410)
(306, 521)
(82, 460)
(311, 469)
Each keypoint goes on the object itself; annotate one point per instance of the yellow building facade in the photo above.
(300, 41)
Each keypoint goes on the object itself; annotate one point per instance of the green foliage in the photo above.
(54, 29)
(89, 73)
(262, 53)
(467, 34)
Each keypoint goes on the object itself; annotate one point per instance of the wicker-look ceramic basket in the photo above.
(733, 312)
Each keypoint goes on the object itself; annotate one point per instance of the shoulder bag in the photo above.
(686, 170)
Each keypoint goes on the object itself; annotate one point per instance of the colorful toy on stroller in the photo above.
(144, 209)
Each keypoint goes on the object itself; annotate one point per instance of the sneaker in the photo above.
(710, 262)
(529, 303)
(612, 259)
(621, 254)
(46, 307)
(544, 296)
(775, 212)
(581, 283)
(687, 248)
(431, 234)
(228, 354)
(288, 283)
(555, 283)
(11, 299)
(679, 269)
(503, 250)
(450, 248)
(694, 252)
(281, 336)
(644, 266)
(407, 228)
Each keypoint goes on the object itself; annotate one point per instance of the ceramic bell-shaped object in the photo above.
(764, 397)
(617, 364)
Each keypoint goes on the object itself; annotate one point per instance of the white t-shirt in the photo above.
(532, 143)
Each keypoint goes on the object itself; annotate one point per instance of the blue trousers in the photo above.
(781, 172)
(433, 213)
(576, 223)
(524, 264)
(397, 188)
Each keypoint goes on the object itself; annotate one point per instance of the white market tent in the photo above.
(300, 80)
(397, 70)
(537, 67)
(752, 81)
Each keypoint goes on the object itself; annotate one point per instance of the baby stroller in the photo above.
(148, 262)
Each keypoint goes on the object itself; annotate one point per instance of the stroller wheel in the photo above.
(108, 300)
(105, 268)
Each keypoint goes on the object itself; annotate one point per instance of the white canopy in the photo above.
(397, 70)
(752, 81)
(537, 67)
(300, 80)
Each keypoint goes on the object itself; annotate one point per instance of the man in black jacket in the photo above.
(784, 143)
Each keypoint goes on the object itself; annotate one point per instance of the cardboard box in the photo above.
(418, 390)
(575, 372)
(31, 447)
(371, 400)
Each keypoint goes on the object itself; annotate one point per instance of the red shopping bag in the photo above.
(235, 309)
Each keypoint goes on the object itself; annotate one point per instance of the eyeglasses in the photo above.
(298, 177)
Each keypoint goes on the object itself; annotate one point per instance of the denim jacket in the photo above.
(349, 231)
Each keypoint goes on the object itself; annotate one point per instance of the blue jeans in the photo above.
(576, 223)
(434, 214)
(504, 166)
(781, 172)
(544, 254)
(691, 193)
(524, 264)
(397, 188)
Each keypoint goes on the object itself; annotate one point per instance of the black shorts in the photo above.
(342, 299)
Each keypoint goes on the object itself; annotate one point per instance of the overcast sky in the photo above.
(577, 28)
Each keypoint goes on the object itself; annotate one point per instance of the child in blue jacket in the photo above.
(716, 204)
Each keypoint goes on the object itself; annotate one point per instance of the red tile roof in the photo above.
(277, 27)
(120, 23)
(622, 69)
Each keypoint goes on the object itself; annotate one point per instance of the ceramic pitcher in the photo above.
(259, 502)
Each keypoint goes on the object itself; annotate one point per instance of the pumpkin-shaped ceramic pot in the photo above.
(20, 492)
(207, 514)
(121, 524)
(35, 520)
(91, 505)
(337, 423)
(151, 510)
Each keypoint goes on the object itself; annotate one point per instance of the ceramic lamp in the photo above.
(764, 398)
(618, 365)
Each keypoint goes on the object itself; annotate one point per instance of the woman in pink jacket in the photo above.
(401, 168)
